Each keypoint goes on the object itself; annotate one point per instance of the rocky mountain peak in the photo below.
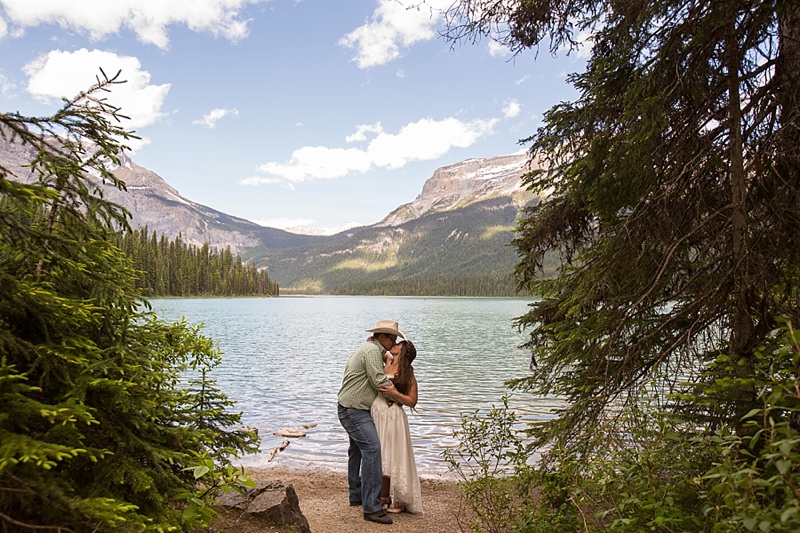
(140, 179)
(462, 184)
(150, 200)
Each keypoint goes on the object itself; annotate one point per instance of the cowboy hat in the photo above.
(387, 326)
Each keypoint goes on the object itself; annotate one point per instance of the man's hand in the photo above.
(388, 390)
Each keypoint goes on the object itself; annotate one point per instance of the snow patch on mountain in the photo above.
(462, 184)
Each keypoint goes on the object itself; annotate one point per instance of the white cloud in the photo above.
(210, 119)
(362, 130)
(319, 162)
(304, 226)
(424, 140)
(258, 180)
(284, 222)
(586, 44)
(511, 109)
(148, 19)
(498, 50)
(61, 74)
(7, 87)
(394, 27)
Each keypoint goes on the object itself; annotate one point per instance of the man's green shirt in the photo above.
(363, 374)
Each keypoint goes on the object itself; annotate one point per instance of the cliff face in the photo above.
(155, 204)
(459, 185)
(152, 202)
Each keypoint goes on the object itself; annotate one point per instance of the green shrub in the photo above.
(754, 484)
(643, 470)
(500, 489)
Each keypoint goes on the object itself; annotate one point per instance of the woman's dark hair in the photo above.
(405, 371)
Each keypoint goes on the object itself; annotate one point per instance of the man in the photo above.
(363, 376)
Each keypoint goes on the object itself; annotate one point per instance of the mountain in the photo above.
(462, 184)
(459, 226)
(152, 202)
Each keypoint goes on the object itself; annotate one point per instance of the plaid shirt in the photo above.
(363, 374)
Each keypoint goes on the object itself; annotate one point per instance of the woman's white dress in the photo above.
(397, 454)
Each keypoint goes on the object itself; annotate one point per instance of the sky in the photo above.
(287, 113)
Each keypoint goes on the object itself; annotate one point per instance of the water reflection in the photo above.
(284, 357)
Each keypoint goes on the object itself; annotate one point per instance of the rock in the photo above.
(287, 432)
(272, 502)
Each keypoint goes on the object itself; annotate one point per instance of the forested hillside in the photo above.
(464, 252)
(173, 268)
(451, 239)
(499, 285)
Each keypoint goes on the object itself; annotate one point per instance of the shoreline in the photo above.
(333, 468)
(322, 494)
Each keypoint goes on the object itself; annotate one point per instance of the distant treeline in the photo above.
(497, 286)
(173, 268)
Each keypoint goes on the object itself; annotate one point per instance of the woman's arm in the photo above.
(392, 365)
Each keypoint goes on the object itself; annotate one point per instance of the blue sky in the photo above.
(284, 112)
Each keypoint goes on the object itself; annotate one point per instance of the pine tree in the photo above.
(97, 432)
(675, 204)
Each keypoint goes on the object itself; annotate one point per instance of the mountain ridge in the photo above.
(460, 184)
(460, 224)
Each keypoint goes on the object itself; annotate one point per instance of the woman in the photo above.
(397, 453)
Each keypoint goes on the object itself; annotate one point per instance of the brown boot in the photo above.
(386, 499)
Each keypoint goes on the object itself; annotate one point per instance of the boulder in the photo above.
(272, 502)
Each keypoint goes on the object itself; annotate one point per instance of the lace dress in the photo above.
(397, 454)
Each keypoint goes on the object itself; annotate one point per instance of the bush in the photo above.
(754, 484)
(643, 470)
(499, 488)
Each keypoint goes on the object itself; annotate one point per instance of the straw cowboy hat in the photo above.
(387, 326)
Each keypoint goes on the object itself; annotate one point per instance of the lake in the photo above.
(283, 360)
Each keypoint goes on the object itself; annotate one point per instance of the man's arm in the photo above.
(374, 366)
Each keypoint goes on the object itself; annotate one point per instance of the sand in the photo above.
(323, 501)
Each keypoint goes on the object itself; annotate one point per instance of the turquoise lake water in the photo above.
(283, 359)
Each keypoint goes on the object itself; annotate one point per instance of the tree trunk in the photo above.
(741, 325)
(788, 74)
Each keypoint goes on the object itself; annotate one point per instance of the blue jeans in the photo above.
(363, 457)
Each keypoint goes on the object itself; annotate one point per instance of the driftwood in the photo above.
(278, 449)
(288, 432)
